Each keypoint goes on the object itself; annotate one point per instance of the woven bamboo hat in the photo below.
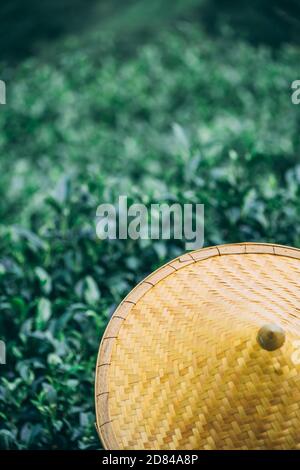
(204, 354)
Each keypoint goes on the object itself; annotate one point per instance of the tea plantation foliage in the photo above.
(180, 118)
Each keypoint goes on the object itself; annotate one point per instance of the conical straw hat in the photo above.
(205, 354)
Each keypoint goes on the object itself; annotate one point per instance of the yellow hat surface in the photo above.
(205, 354)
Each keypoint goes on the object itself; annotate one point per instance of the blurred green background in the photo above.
(184, 101)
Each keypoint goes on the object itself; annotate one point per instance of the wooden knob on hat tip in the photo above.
(271, 337)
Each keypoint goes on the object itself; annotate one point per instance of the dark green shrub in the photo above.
(185, 119)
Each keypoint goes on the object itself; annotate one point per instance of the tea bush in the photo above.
(182, 118)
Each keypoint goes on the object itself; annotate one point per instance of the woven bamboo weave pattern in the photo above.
(180, 367)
